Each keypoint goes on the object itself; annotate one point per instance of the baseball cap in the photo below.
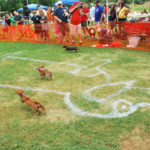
(75, 3)
(97, 1)
(59, 2)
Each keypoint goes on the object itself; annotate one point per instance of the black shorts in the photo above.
(122, 19)
(83, 23)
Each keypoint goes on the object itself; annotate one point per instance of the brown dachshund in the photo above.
(25, 99)
(91, 33)
(44, 73)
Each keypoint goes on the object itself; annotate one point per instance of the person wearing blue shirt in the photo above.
(61, 16)
(99, 12)
(19, 18)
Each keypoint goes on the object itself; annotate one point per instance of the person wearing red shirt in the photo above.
(75, 26)
(84, 18)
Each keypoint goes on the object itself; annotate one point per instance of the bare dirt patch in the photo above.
(135, 142)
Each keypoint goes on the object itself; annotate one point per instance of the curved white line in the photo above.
(114, 114)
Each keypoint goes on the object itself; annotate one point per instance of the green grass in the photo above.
(22, 129)
(140, 8)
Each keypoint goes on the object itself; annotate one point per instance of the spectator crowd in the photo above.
(70, 21)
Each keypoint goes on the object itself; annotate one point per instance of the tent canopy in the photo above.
(33, 7)
(68, 2)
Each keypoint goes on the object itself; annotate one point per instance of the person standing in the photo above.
(37, 25)
(75, 27)
(12, 19)
(18, 18)
(7, 20)
(92, 13)
(84, 18)
(99, 13)
(62, 19)
(50, 17)
(122, 11)
(45, 26)
(112, 17)
(106, 11)
(4, 28)
(38, 10)
(20, 33)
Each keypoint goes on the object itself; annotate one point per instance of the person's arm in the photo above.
(102, 16)
(56, 17)
(87, 12)
(46, 19)
(127, 11)
(21, 20)
(13, 19)
(73, 9)
(59, 20)
(81, 12)
(117, 13)
(32, 18)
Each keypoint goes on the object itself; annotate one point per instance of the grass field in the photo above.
(140, 8)
(62, 127)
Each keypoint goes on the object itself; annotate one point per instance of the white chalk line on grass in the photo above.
(128, 86)
(114, 114)
(9, 54)
(101, 100)
(75, 72)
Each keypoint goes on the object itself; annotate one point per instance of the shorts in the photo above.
(122, 19)
(83, 23)
(63, 28)
(75, 29)
(45, 27)
(38, 27)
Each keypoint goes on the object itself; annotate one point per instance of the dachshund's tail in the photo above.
(40, 106)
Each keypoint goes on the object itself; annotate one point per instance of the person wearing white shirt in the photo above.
(92, 13)
(38, 10)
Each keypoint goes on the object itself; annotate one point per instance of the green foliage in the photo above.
(11, 5)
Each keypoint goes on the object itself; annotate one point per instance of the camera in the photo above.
(80, 6)
(65, 14)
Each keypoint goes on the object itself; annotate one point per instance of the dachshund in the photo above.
(91, 33)
(44, 73)
(71, 48)
(105, 36)
(28, 101)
